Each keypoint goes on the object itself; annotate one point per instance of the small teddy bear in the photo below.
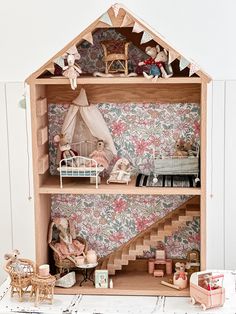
(185, 148)
(180, 146)
(159, 63)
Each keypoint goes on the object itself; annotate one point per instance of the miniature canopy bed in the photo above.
(82, 127)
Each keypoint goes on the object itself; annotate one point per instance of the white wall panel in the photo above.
(22, 207)
(215, 175)
(230, 174)
(5, 195)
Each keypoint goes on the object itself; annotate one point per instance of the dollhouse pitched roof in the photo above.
(118, 16)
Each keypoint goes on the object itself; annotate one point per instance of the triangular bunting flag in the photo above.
(50, 68)
(72, 50)
(126, 21)
(172, 56)
(105, 18)
(146, 37)
(89, 38)
(60, 61)
(137, 28)
(116, 8)
(183, 63)
(193, 68)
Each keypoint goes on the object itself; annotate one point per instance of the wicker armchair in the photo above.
(62, 264)
(115, 56)
(20, 275)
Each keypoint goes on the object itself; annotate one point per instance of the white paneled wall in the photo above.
(17, 210)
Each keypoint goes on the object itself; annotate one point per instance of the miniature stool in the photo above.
(42, 288)
(158, 273)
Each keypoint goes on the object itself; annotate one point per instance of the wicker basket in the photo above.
(20, 276)
(65, 264)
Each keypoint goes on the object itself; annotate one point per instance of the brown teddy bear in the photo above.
(181, 146)
(185, 148)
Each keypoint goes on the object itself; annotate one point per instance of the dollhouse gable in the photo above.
(119, 23)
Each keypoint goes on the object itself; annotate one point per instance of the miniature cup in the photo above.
(80, 260)
(44, 270)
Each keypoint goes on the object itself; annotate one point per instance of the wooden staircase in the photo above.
(149, 237)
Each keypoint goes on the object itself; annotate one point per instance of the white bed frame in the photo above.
(80, 166)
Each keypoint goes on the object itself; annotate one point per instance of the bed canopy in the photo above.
(85, 123)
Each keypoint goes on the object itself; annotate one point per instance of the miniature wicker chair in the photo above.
(62, 264)
(115, 56)
(20, 278)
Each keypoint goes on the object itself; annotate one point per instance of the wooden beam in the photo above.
(203, 174)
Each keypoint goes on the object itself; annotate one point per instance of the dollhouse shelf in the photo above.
(117, 80)
(82, 186)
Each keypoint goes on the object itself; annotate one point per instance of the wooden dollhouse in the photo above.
(122, 221)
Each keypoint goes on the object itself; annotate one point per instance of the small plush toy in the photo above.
(15, 263)
(159, 63)
(72, 71)
(99, 155)
(180, 151)
(180, 278)
(185, 148)
(67, 152)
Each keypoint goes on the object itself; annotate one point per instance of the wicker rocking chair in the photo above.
(62, 264)
(115, 56)
(21, 277)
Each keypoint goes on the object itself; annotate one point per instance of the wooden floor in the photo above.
(128, 283)
(82, 186)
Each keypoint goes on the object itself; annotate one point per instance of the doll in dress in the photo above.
(72, 71)
(67, 152)
(99, 155)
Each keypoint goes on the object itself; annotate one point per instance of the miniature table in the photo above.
(87, 272)
(167, 262)
(42, 288)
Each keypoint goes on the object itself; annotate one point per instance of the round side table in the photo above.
(42, 288)
(87, 272)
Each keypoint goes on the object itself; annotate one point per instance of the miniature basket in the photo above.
(21, 277)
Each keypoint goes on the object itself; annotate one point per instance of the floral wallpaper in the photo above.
(92, 55)
(137, 129)
(108, 221)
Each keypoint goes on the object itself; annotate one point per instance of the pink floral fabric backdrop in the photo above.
(108, 221)
(137, 129)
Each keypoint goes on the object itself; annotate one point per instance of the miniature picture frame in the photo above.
(101, 278)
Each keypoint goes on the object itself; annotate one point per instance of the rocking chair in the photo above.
(115, 56)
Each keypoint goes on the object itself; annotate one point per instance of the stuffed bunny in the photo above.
(72, 71)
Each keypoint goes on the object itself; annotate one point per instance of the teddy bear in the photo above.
(185, 148)
(158, 61)
(181, 146)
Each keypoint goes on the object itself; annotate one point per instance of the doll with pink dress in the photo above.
(72, 71)
(99, 155)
